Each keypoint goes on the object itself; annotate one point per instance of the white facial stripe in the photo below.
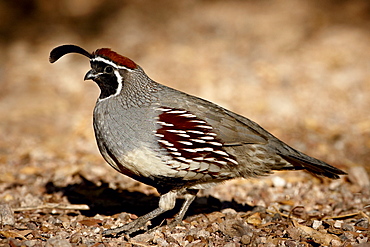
(120, 80)
(101, 59)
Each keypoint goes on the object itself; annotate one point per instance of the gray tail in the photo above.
(312, 165)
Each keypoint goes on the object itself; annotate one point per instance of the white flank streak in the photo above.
(198, 140)
(188, 115)
(165, 124)
(211, 134)
(190, 150)
(177, 112)
(183, 159)
(206, 138)
(221, 162)
(176, 153)
(211, 159)
(232, 161)
(198, 158)
(204, 126)
(215, 143)
(204, 149)
(184, 135)
(197, 121)
(166, 143)
(177, 131)
(186, 143)
(221, 153)
(195, 132)
(159, 135)
(173, 149)
(164, 109)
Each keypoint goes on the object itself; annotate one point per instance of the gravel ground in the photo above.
(299, 68)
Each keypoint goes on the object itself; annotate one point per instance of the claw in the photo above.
(174, 223)
(127, 229)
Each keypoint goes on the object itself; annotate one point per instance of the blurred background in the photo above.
(301, 69)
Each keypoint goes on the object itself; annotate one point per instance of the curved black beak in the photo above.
(90, 75)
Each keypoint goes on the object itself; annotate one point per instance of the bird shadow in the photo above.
(106, 201)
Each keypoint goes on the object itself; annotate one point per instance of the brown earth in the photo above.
(299, 68)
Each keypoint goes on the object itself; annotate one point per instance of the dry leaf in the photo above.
(91, 222)
(254, 219)
(12, 234)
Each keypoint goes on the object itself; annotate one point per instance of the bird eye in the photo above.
(108, 69)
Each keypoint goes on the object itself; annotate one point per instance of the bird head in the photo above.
(109, 69)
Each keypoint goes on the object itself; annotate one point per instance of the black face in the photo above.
(106, 79)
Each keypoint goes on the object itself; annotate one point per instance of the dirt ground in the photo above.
(301, 69)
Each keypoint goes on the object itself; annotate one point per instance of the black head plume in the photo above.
(62, 50)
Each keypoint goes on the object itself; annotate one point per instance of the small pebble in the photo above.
(316, 224)
(338, 223)
(335, 243)
(245, 239)
(6, 215)
(30, 243)
(290, 243)
(229, 211)
(278, 181)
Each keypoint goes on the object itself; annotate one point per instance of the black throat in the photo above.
(108, 85)
(107, 81)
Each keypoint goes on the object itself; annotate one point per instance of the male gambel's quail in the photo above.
(176, 142)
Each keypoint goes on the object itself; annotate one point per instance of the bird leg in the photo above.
(166, 202)
(189, 198)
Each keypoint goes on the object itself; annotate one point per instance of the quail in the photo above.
(176, 142)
